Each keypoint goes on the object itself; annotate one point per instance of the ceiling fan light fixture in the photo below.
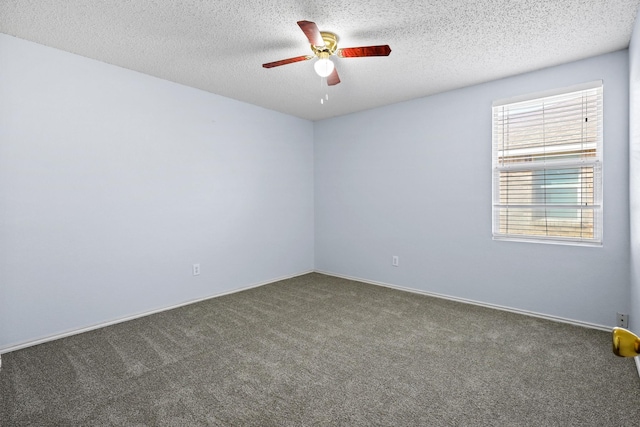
(324, 67)
(325, 44)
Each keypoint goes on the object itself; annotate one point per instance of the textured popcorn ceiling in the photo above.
(219, 46)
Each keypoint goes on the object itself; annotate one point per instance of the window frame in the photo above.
(584, 162)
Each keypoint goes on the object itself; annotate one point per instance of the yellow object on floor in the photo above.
(625, 343)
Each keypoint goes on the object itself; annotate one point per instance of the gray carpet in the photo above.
(318, 350)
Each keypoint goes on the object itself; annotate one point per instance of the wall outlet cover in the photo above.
(622, 320)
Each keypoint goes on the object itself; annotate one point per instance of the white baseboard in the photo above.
(138, 315)
(255, 285)
(479, 303)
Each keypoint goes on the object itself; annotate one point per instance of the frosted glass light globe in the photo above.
(323, 67)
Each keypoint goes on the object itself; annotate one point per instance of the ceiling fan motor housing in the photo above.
(330, 45)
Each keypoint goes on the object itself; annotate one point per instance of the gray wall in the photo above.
(414, 180)
(634, 175)
(113, 183)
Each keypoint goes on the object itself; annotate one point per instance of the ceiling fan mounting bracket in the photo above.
(330, 45)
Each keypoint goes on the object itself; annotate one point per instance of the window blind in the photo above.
(547, 167)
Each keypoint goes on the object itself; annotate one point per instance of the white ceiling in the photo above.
(219, 46)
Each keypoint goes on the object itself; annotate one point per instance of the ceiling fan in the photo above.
(323, 45)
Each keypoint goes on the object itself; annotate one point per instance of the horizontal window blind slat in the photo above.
(553, 163)
(539, 206)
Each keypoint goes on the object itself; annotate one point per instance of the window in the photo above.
(547, 167)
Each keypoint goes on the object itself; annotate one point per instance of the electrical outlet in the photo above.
(395, 260)
(623, 320)
(196, 269)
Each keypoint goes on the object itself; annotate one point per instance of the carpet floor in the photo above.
(319, 350)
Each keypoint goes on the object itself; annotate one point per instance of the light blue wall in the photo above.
(634, 175)
(414, 180)
(113, 183)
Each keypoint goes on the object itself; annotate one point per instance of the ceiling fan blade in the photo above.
(312, 32)
(333, 78)
(356, 52)
(287, 61)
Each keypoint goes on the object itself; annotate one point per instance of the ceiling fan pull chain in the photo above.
(326, 98)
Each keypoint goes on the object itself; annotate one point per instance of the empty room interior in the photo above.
(193, 234)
